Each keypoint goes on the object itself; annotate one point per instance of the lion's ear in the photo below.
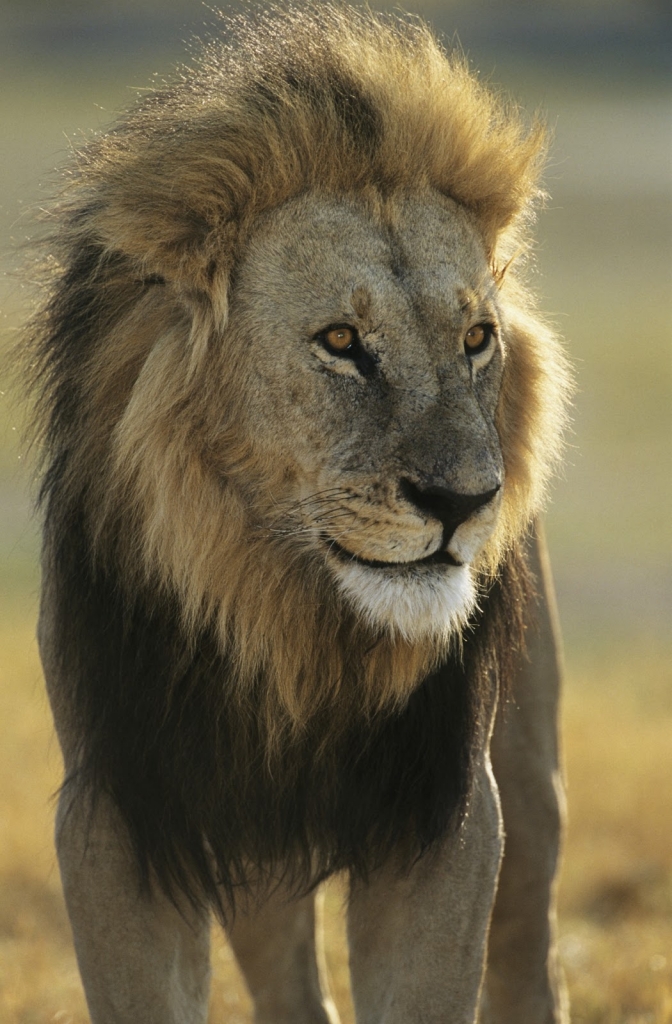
(164, 233)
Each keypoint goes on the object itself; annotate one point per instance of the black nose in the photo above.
(449, 507)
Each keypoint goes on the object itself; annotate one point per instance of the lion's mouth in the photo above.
(438, 558)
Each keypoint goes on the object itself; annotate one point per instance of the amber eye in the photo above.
(478, 338)
(343, 341)
(340, 339)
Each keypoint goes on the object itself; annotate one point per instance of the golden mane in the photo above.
(319, 98)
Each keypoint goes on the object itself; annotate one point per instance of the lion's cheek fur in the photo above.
(193, 533)
(531, 416)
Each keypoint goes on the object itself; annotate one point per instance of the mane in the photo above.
(184, 623)
(315, 98)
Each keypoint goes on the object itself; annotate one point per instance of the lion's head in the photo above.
(291, 378)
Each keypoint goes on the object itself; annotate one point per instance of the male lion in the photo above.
(298, 416)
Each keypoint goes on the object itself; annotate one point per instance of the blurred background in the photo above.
(600, 72)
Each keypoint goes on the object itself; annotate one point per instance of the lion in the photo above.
(298, 413)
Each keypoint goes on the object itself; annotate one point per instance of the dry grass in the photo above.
(616, 901)
(616, 896)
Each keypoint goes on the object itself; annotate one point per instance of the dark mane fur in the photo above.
(185, 764)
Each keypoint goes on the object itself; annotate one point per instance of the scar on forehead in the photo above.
(361, 301)
(467, 300)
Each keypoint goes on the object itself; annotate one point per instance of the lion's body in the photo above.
(298, 416)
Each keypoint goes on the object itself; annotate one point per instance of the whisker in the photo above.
(326, 497)
(315, 523)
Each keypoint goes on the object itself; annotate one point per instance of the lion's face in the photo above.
(372, 351)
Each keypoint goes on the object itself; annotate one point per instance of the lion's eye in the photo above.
(340, 341)
(343, 341)
(478, 338)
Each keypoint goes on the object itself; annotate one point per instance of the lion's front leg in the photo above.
(417, 941)
(524, 980)
(141, 960)
(278, 946)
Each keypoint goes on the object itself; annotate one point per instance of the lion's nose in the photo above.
(449, 507)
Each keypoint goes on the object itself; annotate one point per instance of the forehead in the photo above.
(436, 243)
(424, 246)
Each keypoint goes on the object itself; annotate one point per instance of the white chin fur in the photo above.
(415, 603)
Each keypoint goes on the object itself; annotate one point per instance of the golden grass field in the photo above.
(604, 258)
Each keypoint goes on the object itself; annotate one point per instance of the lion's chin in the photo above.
(416, 603)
